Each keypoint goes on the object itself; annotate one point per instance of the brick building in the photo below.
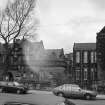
(69, 70)
(30, 61)
(100, 42)
(53, 64)
(84, 64)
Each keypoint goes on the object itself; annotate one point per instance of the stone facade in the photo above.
(100, 42)
(85, 64)
(69, 70)
(30, 60)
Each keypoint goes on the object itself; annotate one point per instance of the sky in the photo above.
(65, 22)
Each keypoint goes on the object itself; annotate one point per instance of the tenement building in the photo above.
(84, 64)
(69, 70)
(30, 61)
(53, 65)
(100, 47)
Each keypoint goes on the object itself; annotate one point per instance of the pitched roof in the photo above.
(102, 30)
(54, 53)
(35, 45)
(38, 44)
(85, 46)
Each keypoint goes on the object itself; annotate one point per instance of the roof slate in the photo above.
(85, 46)
(54, 53)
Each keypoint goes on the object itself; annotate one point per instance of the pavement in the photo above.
(100, 96)
(39, 92)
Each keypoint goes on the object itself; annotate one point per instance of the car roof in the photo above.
(71, 84)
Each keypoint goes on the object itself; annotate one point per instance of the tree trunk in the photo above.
(6, 61)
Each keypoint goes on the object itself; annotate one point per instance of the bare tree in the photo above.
(16, 21)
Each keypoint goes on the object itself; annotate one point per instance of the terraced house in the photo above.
(85, 65)
(31, 62)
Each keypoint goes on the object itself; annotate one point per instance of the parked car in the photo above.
(74, 91)
(12, 87)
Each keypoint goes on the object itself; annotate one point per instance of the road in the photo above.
(48, 99)
(100, 99)
(88, 102)
(35, 98)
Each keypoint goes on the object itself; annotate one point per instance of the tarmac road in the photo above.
(47, 98)
(100, 99)
(40, 99)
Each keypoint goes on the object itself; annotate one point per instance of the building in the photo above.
(69, 70)
(53, 64)
(30, 61)
(21, 60)
(100, 46)
(85, 65)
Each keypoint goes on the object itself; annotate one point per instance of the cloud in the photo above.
(69, 21)
(3, 3)
(82, 29)
(99, 4)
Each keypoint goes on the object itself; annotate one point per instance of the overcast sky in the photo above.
(63, 22)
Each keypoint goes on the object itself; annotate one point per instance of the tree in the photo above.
(16, 22)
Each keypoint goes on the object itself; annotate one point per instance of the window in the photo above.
(3, 58)
(95, 58)
(41, 75)
(85, 73)
(92, 74)
(78, 57)
(85, 56)
(10, 84)
(75, 88)
(77, 74)
(92, 57)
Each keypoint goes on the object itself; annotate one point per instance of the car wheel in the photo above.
(87, 96)
(60, 94)
(18, 91)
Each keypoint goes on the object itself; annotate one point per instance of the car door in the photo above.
(10, 87)
(76, 91)
(68, 90)
(15, 88)
(3, 86)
